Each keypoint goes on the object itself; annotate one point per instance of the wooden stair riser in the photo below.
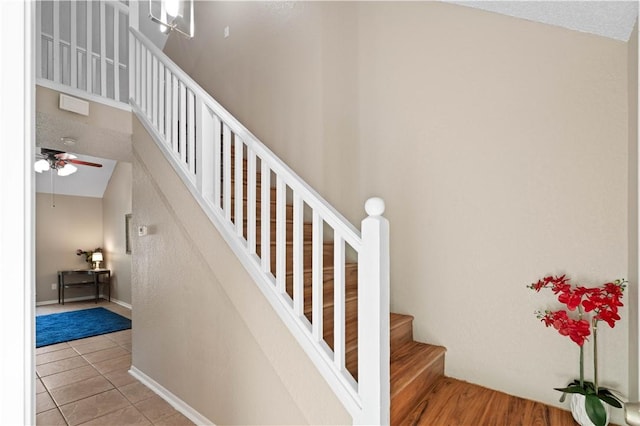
(245, 192)
(415, 368)
(307, 229)
(350, 277)
(327, 255)
(401, 330)
(245, 169)
(351, 333)
(272, 210)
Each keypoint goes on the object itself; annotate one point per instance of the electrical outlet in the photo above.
(226, 31)
(54, 286)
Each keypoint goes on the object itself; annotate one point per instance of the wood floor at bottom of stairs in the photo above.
(453, 402)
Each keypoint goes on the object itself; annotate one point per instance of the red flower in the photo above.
(572, 298)
(610, 317)
(578, 331)
(603, 301)
(595, 300)
(557, 283)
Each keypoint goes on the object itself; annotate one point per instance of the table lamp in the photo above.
(97, 258)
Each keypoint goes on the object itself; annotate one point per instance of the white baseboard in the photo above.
(66, 299)
(173, 400)
(81, 298)
(121, 303)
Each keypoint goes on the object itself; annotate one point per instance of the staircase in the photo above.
(415, 366)
(327, 280)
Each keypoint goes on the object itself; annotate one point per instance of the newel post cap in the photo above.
(374, 206)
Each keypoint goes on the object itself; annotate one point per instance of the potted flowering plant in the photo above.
(601, 303)
(88, 254)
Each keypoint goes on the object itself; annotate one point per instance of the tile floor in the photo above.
(87, 382)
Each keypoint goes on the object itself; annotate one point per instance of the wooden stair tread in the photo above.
(326, 269)
(351, 344)
(410, 360)
(398, 320)
(351, 295)
(272, 202)
(305, 243)
(455, 402)
(350, 277)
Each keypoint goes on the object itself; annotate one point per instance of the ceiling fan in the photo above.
(51, 159)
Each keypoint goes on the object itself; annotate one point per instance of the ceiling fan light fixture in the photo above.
(67, 170)
(41, 166)
(68, 141)
(172, 15)
(172, 7)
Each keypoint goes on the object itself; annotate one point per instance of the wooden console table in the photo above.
(89, 277)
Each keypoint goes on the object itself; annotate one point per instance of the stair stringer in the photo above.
(315, 399)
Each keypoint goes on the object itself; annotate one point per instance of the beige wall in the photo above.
(74, 223)
(500, 146)
(116, 203)
(292, 73)
(202, 328)
(105, 132)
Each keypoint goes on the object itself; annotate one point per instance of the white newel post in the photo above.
(373, 317)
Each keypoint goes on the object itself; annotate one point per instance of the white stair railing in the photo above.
(230, 172)
(81, 49)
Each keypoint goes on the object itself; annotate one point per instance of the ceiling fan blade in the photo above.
(49, 151)
(65, 156)
(83, 163)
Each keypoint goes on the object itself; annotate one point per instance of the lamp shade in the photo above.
(41, 166)
(173, 15)
(67, 170)
(172, 7)
(96, 257)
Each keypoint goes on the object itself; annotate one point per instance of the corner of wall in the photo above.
(633, 291)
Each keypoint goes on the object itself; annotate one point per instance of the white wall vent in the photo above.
(69, 103)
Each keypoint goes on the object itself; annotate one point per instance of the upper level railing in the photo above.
(82, 48)
(244, 188)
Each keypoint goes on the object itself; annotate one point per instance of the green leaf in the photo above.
(595, 410)
(572, 389)
(606, 396)
(611, 401)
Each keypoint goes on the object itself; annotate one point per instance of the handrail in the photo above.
(277, 165)
(227, 168)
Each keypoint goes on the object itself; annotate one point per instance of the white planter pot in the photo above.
(580, 413)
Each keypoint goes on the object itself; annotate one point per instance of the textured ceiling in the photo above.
(106, 146)
(613, 19)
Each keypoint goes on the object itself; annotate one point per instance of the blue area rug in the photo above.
(66, 326)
